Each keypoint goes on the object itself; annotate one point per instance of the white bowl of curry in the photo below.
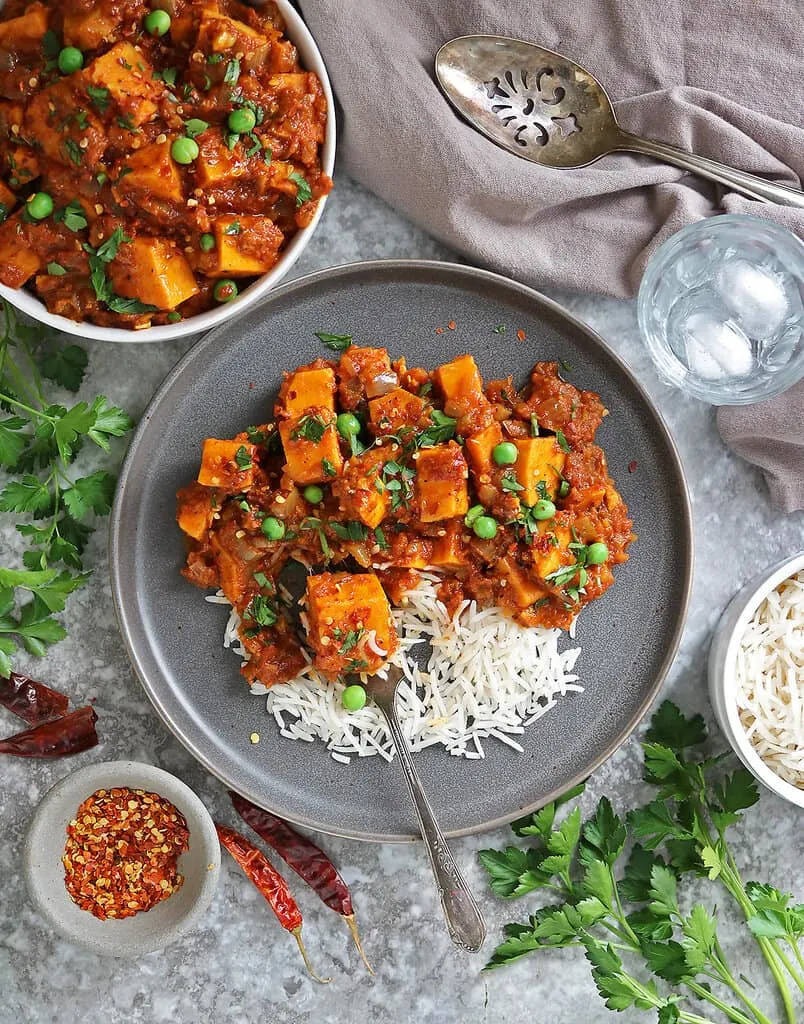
(163, 163)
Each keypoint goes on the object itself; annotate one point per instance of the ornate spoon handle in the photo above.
(464, 920)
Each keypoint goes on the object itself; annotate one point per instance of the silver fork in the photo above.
(465, 923)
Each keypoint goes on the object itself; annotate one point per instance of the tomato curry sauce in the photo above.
(382, 470)
(152, 155)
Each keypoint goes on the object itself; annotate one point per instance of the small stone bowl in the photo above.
(147, 931)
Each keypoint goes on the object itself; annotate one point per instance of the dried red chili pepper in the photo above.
(60, 738)
(30, 700)
(270, 883)
(307, 860)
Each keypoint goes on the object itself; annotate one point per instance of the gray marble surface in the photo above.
(239, 966)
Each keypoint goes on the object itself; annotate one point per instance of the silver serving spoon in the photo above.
(547, 109)
(464, 920)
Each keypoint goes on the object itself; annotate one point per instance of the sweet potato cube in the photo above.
(306, 389)
(479, 449)
(310, 442)
(227, 465)
(128, 76)
(152, 173)
(197, 506)
(18, 263)
(152, 270)
(441, 482)
(520, 588)
(449, 549)
(216, 164)
(88, 30)
(539, 459)
(24, 32)
(362, 374)
(50, 118)
(219, 34)
(553, 551)
(461, 386)
(348, 616)
(357, 490)
(245, 246)
(397, 410)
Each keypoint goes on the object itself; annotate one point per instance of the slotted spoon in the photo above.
(545, 108)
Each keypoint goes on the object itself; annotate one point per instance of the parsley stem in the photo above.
(786, 961)
(733, 1014)
(21, 405)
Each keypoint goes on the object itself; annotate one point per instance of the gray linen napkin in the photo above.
(723, 79)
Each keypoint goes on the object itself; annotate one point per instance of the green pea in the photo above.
(241, 121)
(348, 424)
(225, 290)
(70, 59)
(485, 527)
(184, 150)
(544, 509)
(596, 554)
(40, 205)
(313, 494)
(206, 242)
(472, 514)
(504, 454)
(354, 697)
(583, 577)
(564, 489)
(157, 23)
(174, 316)
(273, 528)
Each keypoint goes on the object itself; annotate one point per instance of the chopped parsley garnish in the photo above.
(243, 458)
(168, 76)
(311, 523)
(255, 435)
(214, 58)
(56, 270)
(261, 611)
(124, 120)
(380, 538)
(352, 530)
(195, 126)
(534, 425)
(311, 428)
(441, 431)
(337, 342)
(351, 640)
(74, 151)
(98, 258)
(51, 47)
(328, 468)
(499, 329)
(262, 581)
(565, 366)
(233, 228)
(397, 481)
(303, 190)
(426, 388)
(3, 212)
(72, 216)
(509, 483)
(562, 441)
(541, 490)
(232, 73)
(81, 119)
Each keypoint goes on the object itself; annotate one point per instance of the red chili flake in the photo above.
(520, 334)
(122, 852)
(452, 325)
(439, 330)
(632, 465)
(251, 385)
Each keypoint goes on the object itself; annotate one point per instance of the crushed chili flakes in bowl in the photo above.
(122, 851)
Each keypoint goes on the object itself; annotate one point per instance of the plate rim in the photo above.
(328, 274)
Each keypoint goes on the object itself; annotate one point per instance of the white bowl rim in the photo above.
(778, 574)
(300, 35)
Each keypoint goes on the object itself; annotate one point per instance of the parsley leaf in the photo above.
(243, 458)
(303, 190)
(90, 493)
(563, 443)
(65, 365)
(232, 72)
(195, 126)
(441, 431)
(337, 342)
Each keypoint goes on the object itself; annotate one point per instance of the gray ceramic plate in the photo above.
(174, 637)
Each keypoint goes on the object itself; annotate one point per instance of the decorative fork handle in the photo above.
(738, 181)
(464, 920)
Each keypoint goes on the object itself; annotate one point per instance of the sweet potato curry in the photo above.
(380, 470)
(152, 154)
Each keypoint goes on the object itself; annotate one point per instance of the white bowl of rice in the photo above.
(756, 677)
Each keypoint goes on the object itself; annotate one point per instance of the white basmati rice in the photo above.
(485, 677)
(770, 680)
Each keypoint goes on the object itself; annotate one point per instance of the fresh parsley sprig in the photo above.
(630, 918)
(39, 443)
